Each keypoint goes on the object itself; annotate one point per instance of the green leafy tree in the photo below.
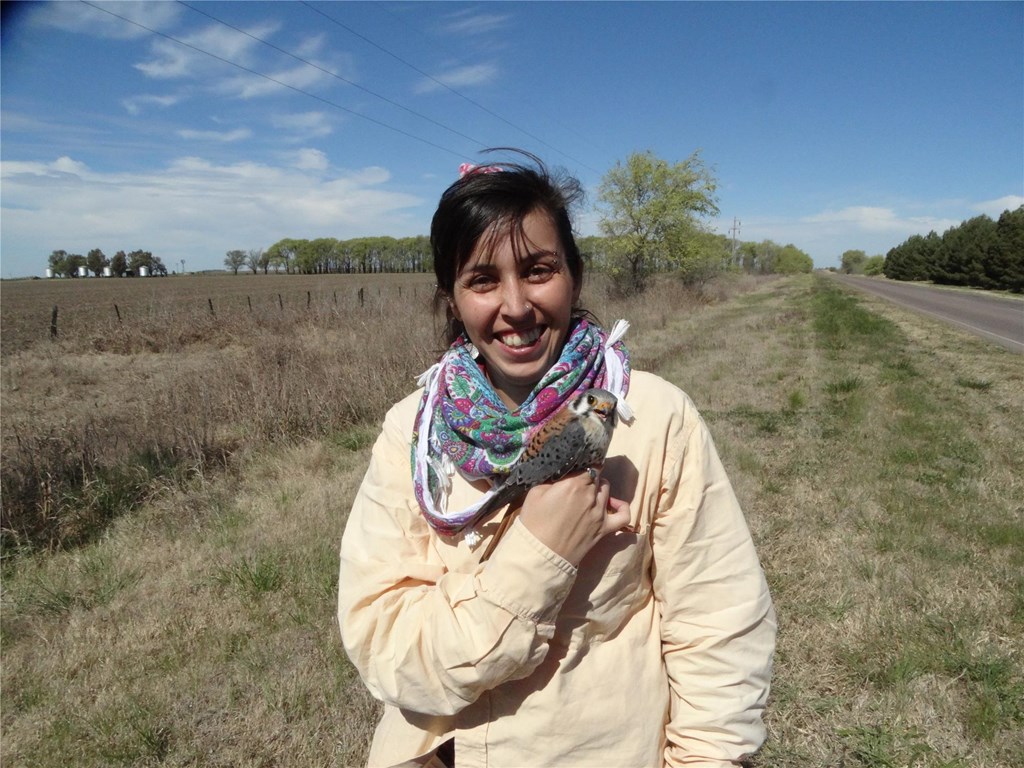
(119, 264)
(852, 262)
(651, 207)
(66, 264)
(284, 253)
(316, 256)
(234, 260)
(413, 254)
(760, 258)
(792, 261)
(96, 261)
(700, 256)
(139, 259)
(58, 263)
(875, 265)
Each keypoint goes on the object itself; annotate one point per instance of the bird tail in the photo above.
(495, 499)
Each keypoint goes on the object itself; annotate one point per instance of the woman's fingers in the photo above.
(618, 515)
(571, 515)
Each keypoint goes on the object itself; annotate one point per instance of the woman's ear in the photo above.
(454, 310)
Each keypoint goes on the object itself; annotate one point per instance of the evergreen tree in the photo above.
(1005, 263)
(963, 253)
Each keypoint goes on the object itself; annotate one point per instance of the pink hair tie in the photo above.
(467, 169)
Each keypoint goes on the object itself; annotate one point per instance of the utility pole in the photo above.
(735, 231)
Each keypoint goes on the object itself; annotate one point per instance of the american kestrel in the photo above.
(575, 438)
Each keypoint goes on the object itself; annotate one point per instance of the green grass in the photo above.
(250, 577)
(918, 527)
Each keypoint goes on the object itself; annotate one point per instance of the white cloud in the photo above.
(229, 44)
(134, 104)
(310, 46)
(172, 60)
(475, 74)
(472, 23)
(994, 208)
(193, 208)
(67, 165)
(302, 125)
(87, 20)
(308, 160)
(225, 136)
(873, 219)
(825, 235)
(169, 61)
(246, 86)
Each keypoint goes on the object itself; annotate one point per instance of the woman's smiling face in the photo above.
(515, 300)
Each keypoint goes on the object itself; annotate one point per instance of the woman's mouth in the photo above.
(520, 339)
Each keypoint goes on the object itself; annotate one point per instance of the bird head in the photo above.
(598, 402)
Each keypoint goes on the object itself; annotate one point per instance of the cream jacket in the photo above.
(655, 651)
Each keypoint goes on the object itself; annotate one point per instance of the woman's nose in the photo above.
(514, 300)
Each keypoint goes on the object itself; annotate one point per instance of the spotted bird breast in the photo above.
(557, 450)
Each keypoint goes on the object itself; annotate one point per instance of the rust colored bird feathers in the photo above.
(573, 439)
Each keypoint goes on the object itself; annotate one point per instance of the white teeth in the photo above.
(524, 339)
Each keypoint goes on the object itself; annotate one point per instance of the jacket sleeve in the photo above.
(718, 624)
(424, 638)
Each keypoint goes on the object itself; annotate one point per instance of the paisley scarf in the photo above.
(463, 425)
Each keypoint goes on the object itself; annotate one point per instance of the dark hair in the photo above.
(504, 195)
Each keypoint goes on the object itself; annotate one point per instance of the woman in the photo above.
(623, 619)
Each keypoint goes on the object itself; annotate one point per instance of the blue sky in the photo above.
(831, 126)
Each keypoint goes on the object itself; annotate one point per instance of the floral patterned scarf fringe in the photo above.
(463, 425)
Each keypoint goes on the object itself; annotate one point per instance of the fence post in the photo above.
(280, 303)
(360, 297)
(249, 299)
(309, 298)
(53, 322)
(118, 313)
(210, 302)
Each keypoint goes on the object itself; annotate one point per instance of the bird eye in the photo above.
(591, 400)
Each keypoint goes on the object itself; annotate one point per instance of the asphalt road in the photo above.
(996, 318)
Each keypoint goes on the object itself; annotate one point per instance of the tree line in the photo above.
(64, 264)
(979, 252)
(651, 222)
(653, 219)
(326, 255)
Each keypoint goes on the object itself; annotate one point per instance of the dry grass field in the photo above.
(175, 485)
(94, 313)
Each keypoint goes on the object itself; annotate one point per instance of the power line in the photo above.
(477, 104)
(333, 74)
(457, 55)
(278, 82)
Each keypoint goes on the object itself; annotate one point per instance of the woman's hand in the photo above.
(571, 515)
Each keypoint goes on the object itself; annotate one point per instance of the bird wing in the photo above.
(558, 454)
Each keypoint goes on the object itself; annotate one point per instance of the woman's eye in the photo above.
(481, 282)
(540, 272)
